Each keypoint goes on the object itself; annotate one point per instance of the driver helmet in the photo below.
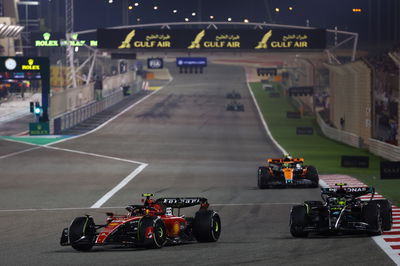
(168, 211)
(287, 157)
(342, 201)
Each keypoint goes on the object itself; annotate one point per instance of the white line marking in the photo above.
(22, 133)
(262, 118)
(111, 119)
(125, 181)
(18, 152)
(94, 155)
(385, 246)
(123, 207)
(254, 204)
(323, 184)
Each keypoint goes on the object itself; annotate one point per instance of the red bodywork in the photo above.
(174, 224)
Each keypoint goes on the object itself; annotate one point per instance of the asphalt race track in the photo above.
(193, 147)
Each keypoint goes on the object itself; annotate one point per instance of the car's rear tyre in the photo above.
(263, 177)
(385, 211)
(82, 233)
(298, 221)
(312, 175)
(207, 226)
(152, 232)
(371, 215)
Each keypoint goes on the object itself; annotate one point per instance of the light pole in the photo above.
(125, 10)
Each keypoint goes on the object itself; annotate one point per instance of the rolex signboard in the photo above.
(36, 129)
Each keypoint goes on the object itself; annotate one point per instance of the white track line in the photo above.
(122, 207)
(262, 118)
(94, 155)
(18, 152)
(125, 181)
(392, 253)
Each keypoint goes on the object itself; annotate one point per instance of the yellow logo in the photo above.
(30, 65)
(175, 229)
(263, 43)
(196, 43)
(127, 42)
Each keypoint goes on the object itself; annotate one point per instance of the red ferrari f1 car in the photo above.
(151, 225)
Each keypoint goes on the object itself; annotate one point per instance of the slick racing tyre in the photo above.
(312, 175)
(263, 177)
(82, 233)
(206, 226)
(298, 221)
(385, 212)
(152, 232)
(371, 215)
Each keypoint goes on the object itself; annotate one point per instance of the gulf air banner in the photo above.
(198, 39)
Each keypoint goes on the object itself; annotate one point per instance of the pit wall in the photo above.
(70, 99)
(72, 106)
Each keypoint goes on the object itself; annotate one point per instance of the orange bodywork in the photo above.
(288, 173)
(280, 160)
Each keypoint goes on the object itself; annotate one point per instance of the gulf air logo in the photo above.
(127, 42)
(196, 42)
(263, 44)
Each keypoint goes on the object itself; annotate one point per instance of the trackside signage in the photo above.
(191, 61)
(58, 39)
(24, 64)
(226, 39)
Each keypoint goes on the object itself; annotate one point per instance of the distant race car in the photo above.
(235, 106)
(342, 211)
(151, 225)
(233, 95)
(286, 172)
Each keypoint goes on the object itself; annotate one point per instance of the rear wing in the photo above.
(182, 202)
(280, 160)
(355, 191)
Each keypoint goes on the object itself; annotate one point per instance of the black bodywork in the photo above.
(235, 106)
(233, 95)
(342, 211)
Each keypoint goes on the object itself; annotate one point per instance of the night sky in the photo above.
(91, 14)
(378, 19)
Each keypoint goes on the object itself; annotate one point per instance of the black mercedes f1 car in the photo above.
(151, 225)
(341, 211)
(235, 106)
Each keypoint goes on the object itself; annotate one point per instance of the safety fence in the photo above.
(384, 150)
(73, 98)
(72, 118)
(350, 98)
(339, 135)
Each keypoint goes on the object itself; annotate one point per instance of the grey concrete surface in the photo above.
(194, 147)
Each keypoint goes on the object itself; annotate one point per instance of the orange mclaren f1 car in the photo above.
(287, 172)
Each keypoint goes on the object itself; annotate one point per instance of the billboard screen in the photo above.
(224, 39)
